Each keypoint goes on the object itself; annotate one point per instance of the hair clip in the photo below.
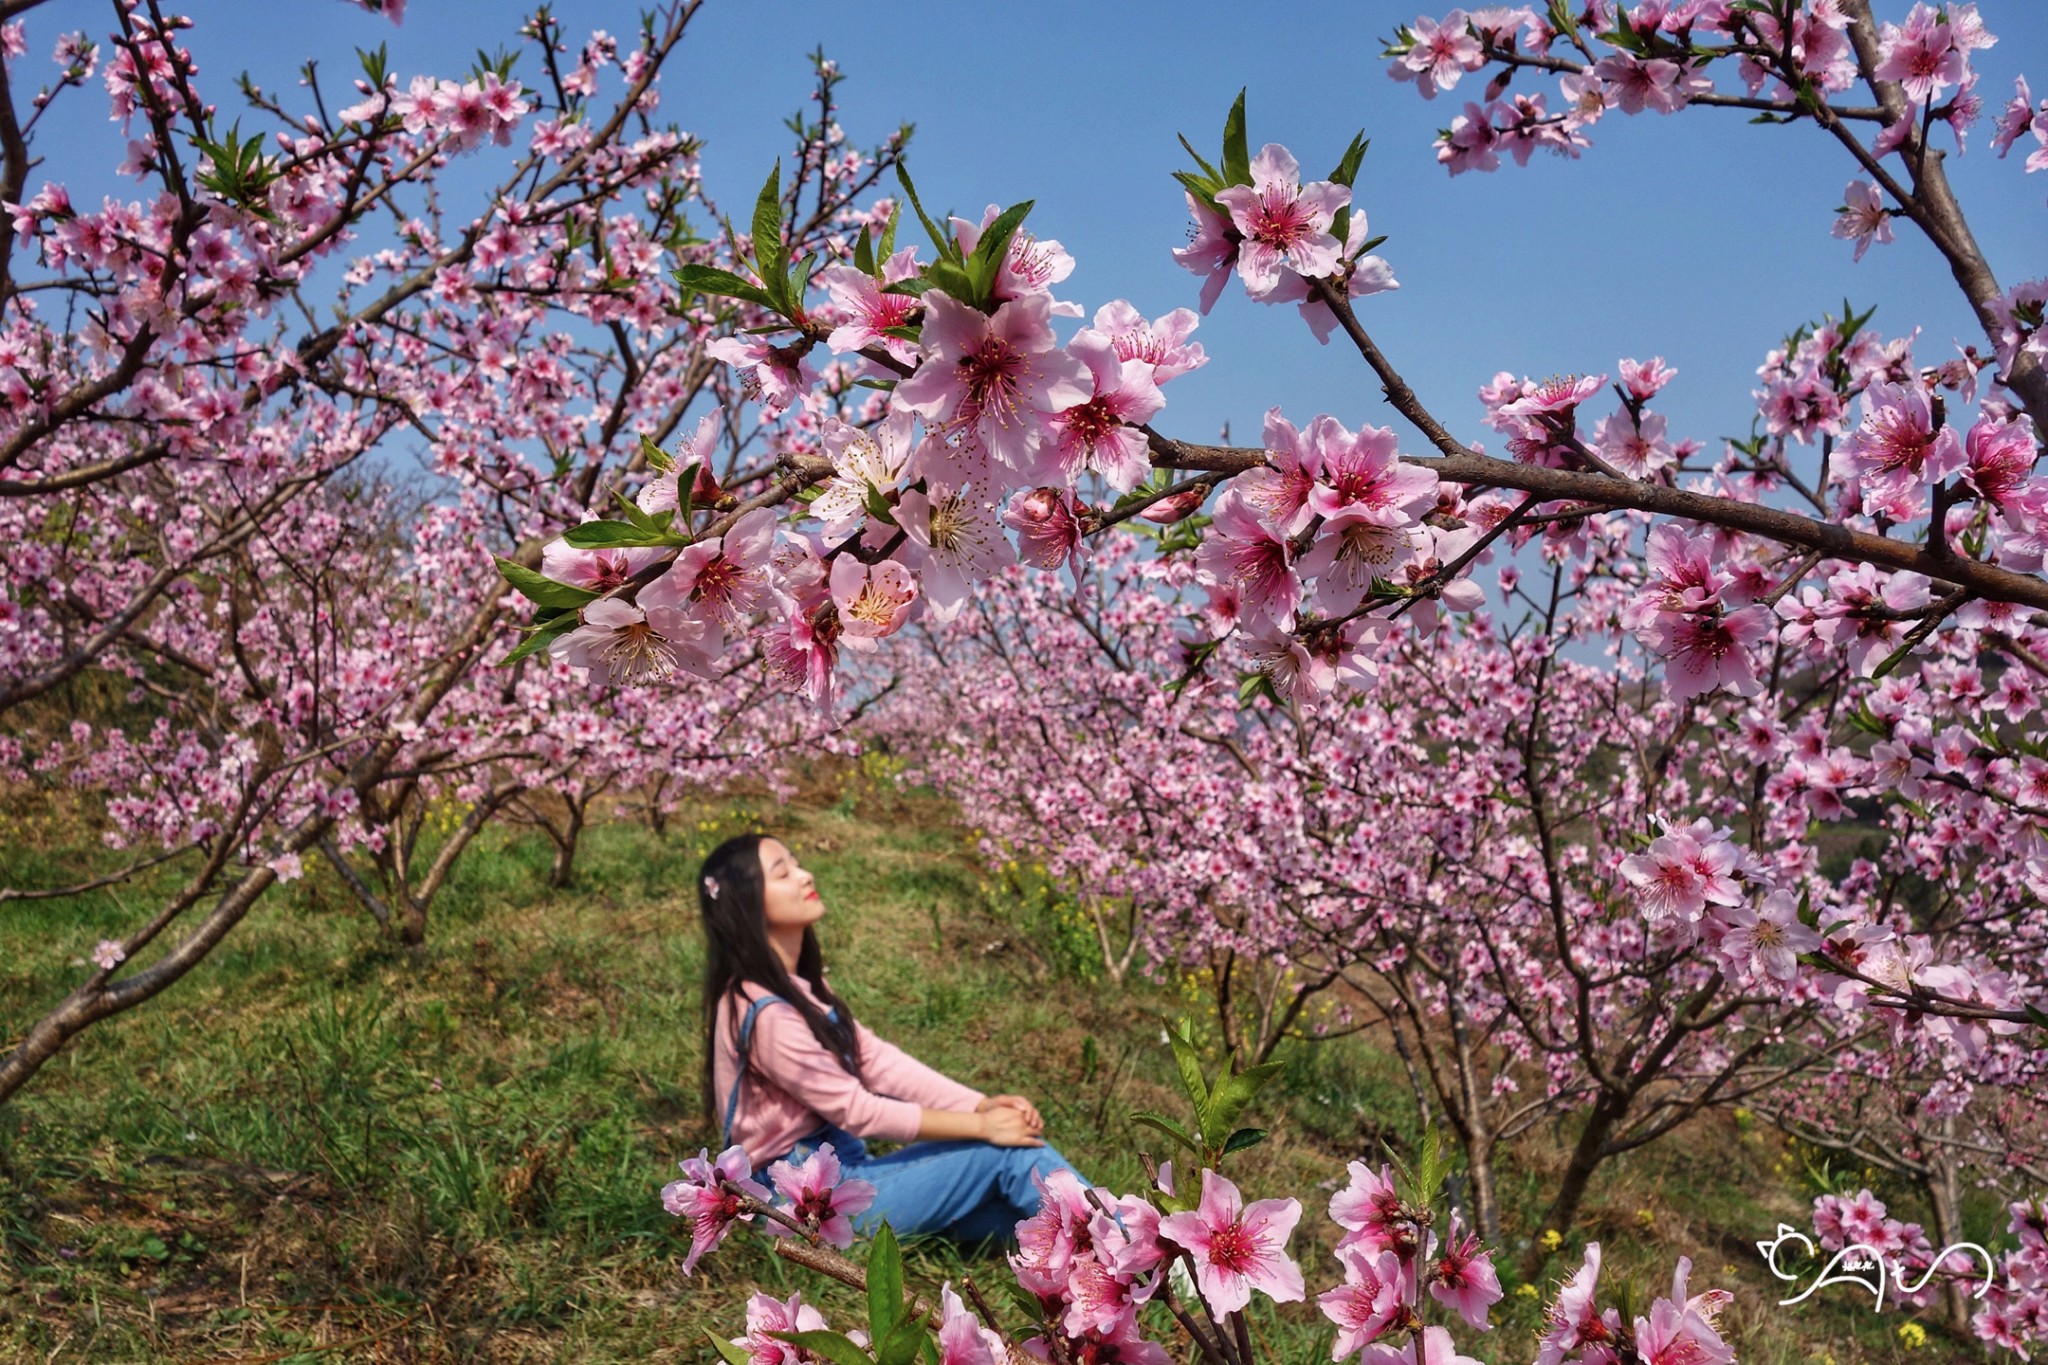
(711, 887)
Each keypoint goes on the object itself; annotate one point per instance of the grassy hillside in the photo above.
(318, 1149)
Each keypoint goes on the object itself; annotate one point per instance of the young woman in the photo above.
(791, 1069)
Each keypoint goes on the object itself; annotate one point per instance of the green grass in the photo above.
(317, 1148)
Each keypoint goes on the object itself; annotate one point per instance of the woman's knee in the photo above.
(1025, 1168)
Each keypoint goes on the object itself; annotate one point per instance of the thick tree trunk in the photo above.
(412, 922)
(1485, 1201)
(1587, 1155)
(1115, 961)
(99, 999)
(1222, 971)
(657, 818)
(353, 879)
(1945, 1197)
(1467, 1106)
(565, 841)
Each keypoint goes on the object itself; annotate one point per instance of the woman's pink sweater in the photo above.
(806, 1087)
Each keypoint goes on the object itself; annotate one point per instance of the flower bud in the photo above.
(705, 491)
(1175, 507)
(1048, 531)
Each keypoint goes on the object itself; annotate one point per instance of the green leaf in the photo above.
(1027, 1302)
(885, 1285)
(1202, 161)
(1853, 322)
(733, 1355)
(1202, 188)
(835, 1347)
(1346, 175)
(1168, 1127)
(2035, 1014)
(545, 636)
(1190, 1063)
(1563, 21)
(1431, 1168)
(1237, 160)
(538, 587)
(942, 243)
(1892, 661)
(1626, 38)
(599, 535)
(239, 172)
(709, 279)
(991, 249)
(375, 65)
(864, 254)
(686, 488)
(1243, 1138)
(878, 506)
(768, 233)
(952, 278)
(800, 282)
(659, 460)
(1231, 1095)
(887, 246)
(1187, 535)
(900, 1347)
(637, 518)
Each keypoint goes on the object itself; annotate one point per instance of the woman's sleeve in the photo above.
(892, 1071)
(786, 1051)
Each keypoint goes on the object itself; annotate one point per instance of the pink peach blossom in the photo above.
(700, 1197)
(1242, 553)
(1286, 224)
(820, 1196)
(873, 600)
(1863, 218)
(1238, 1249)
(1371, 1299)
(995, 380)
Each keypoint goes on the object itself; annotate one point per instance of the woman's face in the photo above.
(789, 895)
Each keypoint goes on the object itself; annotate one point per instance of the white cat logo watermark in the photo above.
(1862, 1265)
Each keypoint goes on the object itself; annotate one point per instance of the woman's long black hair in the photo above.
(737, 950)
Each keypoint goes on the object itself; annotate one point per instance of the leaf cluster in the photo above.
(237, 171)
(1236, 169)
(1217, 1103)
(968, 276)
(899, 1336)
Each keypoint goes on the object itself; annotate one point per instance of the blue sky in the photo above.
(1697, 236)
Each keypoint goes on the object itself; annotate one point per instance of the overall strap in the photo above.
(739, 1075)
